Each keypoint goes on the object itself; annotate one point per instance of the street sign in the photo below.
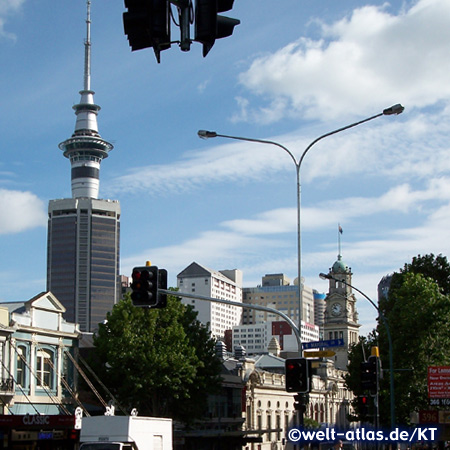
(319, 354)
(324, 344)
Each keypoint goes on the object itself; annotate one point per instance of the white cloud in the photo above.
(8, 7)
(216, 164)
(369, 59)
(20, 211)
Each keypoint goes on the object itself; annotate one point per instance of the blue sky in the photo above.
(292, 71)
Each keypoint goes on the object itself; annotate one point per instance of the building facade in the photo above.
(256, 337)
(37, 350)
(225, 285)
(276, 292)
(83, 258)
(84, 231)
(253, 411)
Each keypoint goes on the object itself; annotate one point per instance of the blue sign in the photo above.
(324, 344)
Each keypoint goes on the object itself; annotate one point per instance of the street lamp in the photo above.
(324, 276)
(204, 134)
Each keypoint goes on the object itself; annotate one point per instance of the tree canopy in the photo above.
(160, 361)
(417, 309)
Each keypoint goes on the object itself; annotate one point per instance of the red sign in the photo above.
(35, 421)
(428, 416)
(439, 381)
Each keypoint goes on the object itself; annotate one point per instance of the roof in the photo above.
(269, 361)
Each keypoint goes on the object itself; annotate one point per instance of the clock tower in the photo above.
(341, 317)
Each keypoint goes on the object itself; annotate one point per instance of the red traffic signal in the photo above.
(145, 287)
(363, 406)
(297, 375)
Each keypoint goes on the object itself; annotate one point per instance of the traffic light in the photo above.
(300, 402)
(162, 284)
(363, 406)
(369, 374)
(145, 285)
(147, 24)
(297, 375)
(209, 25)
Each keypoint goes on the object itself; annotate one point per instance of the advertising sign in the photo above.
(439, 382)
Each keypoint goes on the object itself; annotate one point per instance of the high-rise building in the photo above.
(225, 285)
(276, 292)
(83, 231)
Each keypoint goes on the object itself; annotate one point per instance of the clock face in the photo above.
(336, 309)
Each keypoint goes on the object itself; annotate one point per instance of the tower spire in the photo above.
(87, 50)
(86, 149)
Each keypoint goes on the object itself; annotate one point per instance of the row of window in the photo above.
(43, 372)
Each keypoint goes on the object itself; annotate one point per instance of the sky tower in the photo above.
(84, 231)
(86, 149)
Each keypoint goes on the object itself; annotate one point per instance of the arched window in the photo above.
(44, 369)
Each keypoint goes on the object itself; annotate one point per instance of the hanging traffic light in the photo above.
(369, 374)
(209, 25)
(297, 375)
(145, 285)
(147, 24)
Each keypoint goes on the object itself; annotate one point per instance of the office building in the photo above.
(224, 284)
(276, 292)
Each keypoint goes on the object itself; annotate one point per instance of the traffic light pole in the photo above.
(242, 305)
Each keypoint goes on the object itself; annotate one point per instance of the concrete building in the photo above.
(225, 285)
(319, 310)
(276, 292)
(84, 231)
(257, 337)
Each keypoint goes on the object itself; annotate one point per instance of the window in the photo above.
(21, 366)
(45, 369)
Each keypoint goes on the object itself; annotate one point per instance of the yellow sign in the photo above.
(319, 354)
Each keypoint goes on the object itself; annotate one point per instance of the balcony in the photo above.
(6, 387)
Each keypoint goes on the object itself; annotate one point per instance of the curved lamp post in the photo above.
(325, 276)
(204, 134)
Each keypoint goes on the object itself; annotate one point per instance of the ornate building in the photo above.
(341, 316)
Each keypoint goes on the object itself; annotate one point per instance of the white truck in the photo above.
(125, 433)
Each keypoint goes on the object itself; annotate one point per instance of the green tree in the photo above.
(160, 361)
(418, 312)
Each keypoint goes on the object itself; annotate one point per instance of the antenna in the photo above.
(87, 50)
(339, 239)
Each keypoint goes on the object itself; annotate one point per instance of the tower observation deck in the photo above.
(86, 148)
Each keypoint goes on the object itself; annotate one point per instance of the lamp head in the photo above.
(395, 109)
(324, 276)
(204, 134)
